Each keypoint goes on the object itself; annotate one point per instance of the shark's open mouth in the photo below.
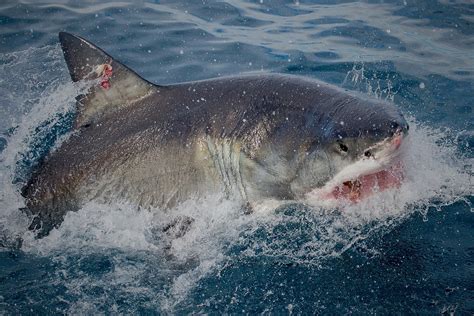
(364, 186)
(369, 175)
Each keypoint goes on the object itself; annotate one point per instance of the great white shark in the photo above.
(260, 138)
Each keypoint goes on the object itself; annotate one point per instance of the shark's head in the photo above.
(359, 157)
(356, 153)
(344, 152)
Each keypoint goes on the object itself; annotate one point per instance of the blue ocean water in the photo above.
(407, 251)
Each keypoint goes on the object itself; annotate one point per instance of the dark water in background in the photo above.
(408, 252)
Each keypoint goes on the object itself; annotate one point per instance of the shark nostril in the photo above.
(394, 126)
(399, 127)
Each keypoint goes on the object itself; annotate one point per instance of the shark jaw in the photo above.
(365, 177)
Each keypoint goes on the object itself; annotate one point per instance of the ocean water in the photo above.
(408, 250)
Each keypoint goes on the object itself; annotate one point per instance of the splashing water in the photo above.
(219, 234)
(374, 87)
(48, 112)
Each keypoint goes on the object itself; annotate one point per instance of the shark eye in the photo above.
(367, 154)
(343, 147)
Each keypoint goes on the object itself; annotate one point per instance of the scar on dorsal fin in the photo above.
(115, 85)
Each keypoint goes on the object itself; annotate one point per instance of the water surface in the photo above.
(405, 251)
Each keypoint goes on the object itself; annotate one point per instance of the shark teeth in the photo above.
(363, 186)
(364, 177)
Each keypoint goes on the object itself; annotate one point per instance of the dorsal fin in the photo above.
(117, 86)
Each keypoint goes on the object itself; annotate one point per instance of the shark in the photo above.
(262, 138)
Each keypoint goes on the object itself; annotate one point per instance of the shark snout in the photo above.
(399, 127)
(398, 137)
